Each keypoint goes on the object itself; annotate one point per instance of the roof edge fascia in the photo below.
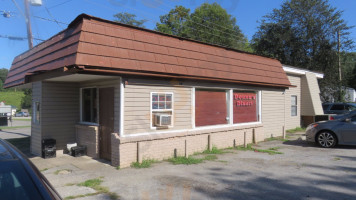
(299, 71)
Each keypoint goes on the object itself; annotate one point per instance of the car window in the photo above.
(15, 182)
(350, 107)
(353, 119)
(325, 107)
(337, 107)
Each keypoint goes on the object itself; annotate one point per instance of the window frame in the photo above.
(81, 106)
(230, 114)
(258, 105)
(294, 106)
(228, 105)
(152, 111)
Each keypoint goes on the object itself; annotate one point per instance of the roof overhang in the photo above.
(97, 46)
(299, 71)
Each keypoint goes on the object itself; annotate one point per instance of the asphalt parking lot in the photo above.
(301, 171)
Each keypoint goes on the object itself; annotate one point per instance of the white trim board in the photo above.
(299, 71)
(195, 129)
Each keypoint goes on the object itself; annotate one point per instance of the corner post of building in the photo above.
(122, 99)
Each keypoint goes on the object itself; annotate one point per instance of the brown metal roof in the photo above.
(109, 46)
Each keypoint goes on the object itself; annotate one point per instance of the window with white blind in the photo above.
(294, 105)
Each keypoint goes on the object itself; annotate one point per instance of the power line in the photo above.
(49, 13)
(50, 20)
(60, 4)
(18, 8)
(12, 14)
(203, 19)
(18, 38)
(224, 32)
(182, 25)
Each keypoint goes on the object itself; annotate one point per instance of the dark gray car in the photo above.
(330, 133)
(338, 108)
(20, 179)
(347, 115)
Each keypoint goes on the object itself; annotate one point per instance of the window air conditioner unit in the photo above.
(162, 120)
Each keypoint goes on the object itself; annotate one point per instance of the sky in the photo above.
(54, 16)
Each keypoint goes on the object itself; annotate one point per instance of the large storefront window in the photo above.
(245, 106)
(89, 105)
(210, 107)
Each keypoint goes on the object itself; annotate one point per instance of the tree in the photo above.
(3, 75)
(1, 85)
(303, 33)
(130, 19)
(173, 22)
(26, 100)
(349, 66)
(209, 23)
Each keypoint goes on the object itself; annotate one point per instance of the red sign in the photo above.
(245, 107)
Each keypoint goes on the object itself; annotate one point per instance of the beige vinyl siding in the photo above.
(273, 112)
(293, 121)
(36, 136)
(311, 96)
(60, 112)
(137, 115)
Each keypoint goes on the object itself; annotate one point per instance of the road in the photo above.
(11, 131)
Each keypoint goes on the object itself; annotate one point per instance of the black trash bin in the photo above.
(78, 151)
(48, 148)
(3, 120)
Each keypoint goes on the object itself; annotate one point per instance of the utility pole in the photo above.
(338, 52)
(28, 23)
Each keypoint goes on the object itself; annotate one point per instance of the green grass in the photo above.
(80, 196)
(45, 169)
(270, 151)
(12, 98)
(214, 150)
(277, 139)
(96, 185)
(210, 157)
(242, 148)
(336, 159)
(144, 164)
(61, 170)
(92, 183)
(297, 129)
(13, 127)
(181, 160)
(17, 119)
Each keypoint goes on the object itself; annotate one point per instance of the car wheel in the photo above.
(326, 139)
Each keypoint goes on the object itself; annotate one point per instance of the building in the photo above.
(130, 94)
(350, 94)
(6, 110)
(306, 94)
